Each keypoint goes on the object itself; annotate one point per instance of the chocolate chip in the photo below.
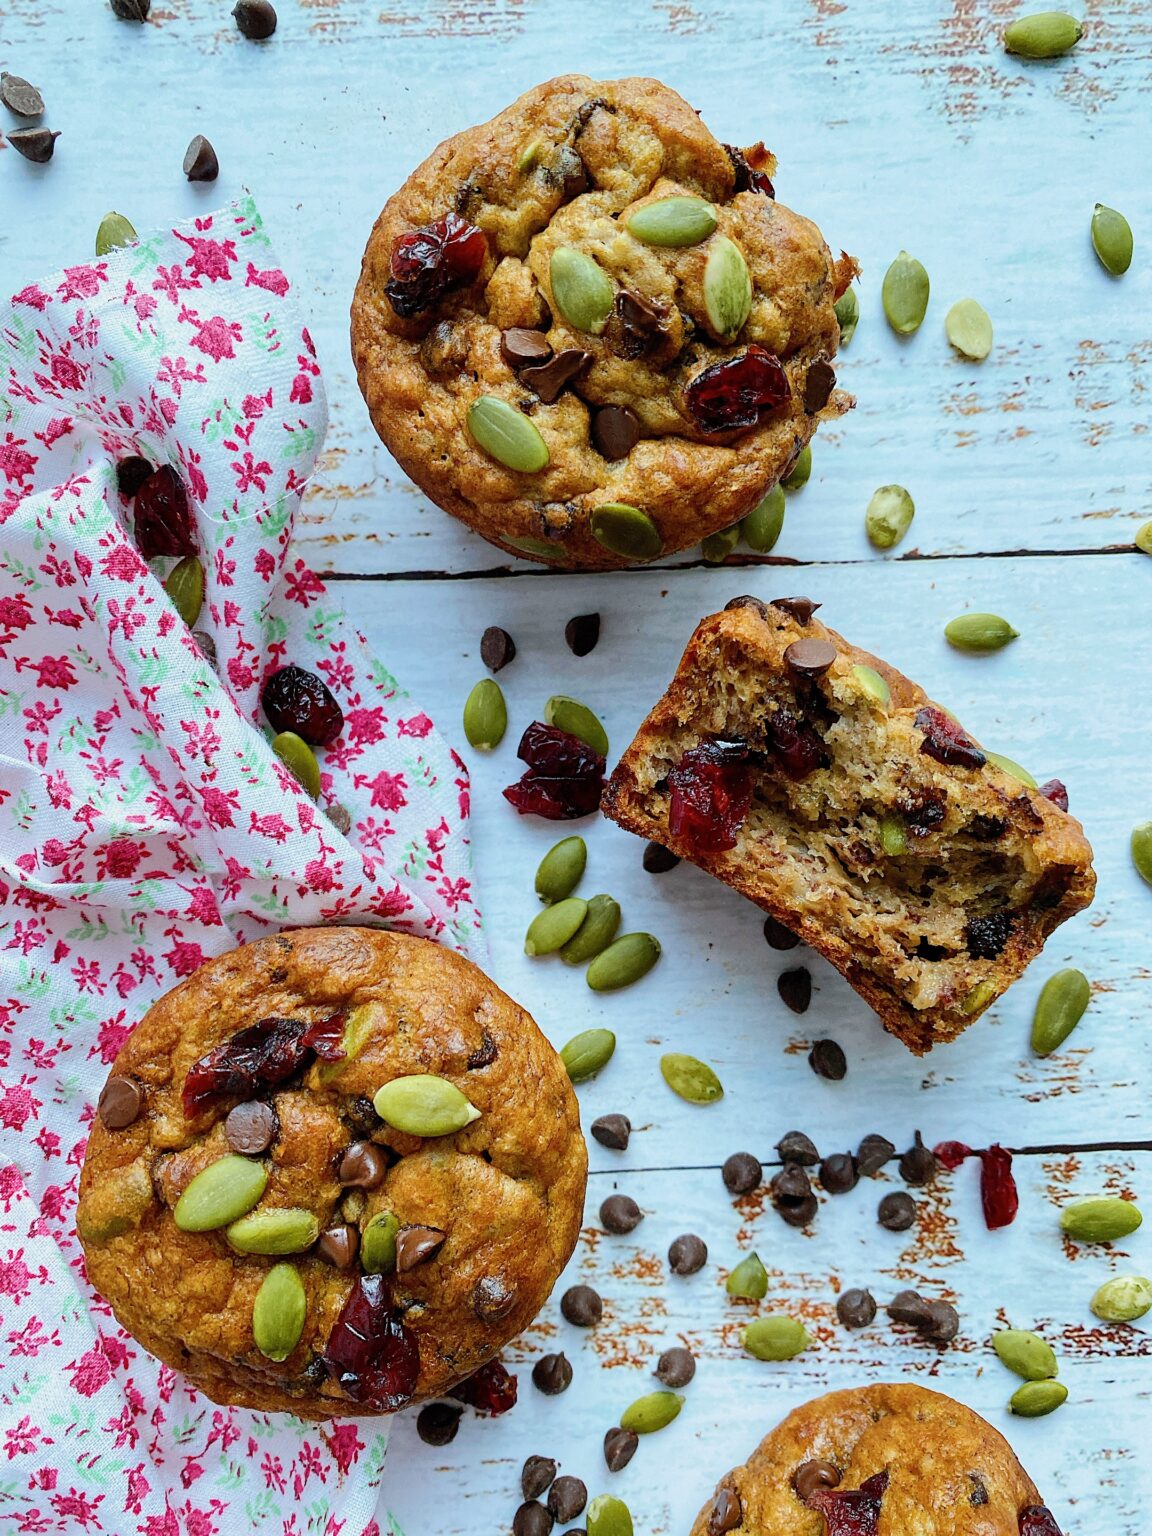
(838, 1173)
(338, 1246)
(791, 1183)
(856, 1308)
(363, 1166)
(497, 648)
(438, 1422)
(491, 1299)
(536, 1476)
(552, 1374)
(986, 937)
(251, 1128)
(687, 1254)
(581, 633)
(798, 1213)
(361, 1115)
(569, 173)
(676, 1367)
(801, 608)
(819, 382)
(619, 1448)
(520, 347)
(979, 1494)
(726, 1513)
(35, 144)
(532, 1519)
(873, 1152)
(549, 380)
(615, 432)
(131, 474)
(484, 1054)
(255, 19)
(942, 1323)
(778, 936)
(908, 1307)
(19, 96)
(795, 988)
(735, 603)
(827, 1060)
(612, 1131)
(340, 817)
(416, 1245)
(812, 1476)
(918, 1165)
(809, 657)
(620, 1214)
(581, 1306)
(896, 1211)
(566, 1499)
(795, 1147)
(636, 325)
(131, 10)
(120, 1102)
(200, 162)
(741, 1173)
(658, 860)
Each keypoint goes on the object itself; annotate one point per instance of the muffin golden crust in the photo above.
(893, 1460)
(468, 1229)
(827, 787)
(586, 333)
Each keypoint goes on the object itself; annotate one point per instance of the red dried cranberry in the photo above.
(370, 1353)
(746, 179)
(711, 791)
(950, 1154)
(161, 517)
(296, 700)
(564, 780)
(852, 1511)
(796, 745)
(266, 1053)
(998, 1194)
(1055, 791)
(946, 740)
(429, 261)
(924, 812)
(733, 395)
(987, 936)
(491, 1389)
(1036, 1520)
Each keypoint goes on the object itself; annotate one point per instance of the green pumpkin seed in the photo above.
(1112, 240)
(278, 1312)
(801, 471)
(1007, 765)
(1143, 538)
(1026, 1353)
(528, 156)
(485, 715)
(114, 233)
(749, 1280)
(424, 1105)
(626, 531)
(847, 315)
(1123, 1299)
(873, 684)
(220, 1194)
(595, 933)
(889, 516)
(553, 927)
(577, 720)
(1036, 1398)
(978, 998)
(559, 871)
(358, 1030)
(607, 1516)
(184, 585)
(893, 835)
(653, 1411)
(1043, 35)
(588, 1053)
(378, 1244)
(1100, 1219)
(1142, 850)
(540, 549)
(904, 294)
(288, 1230)
(764, 524)
(979, 632)
(692, 1080)
(673, 221)
(581, 290)
(727, 288)
(625, 961)
(776, 1338)
(716, 547)
(969, 329)
(1059, 1008)
(299, 759)
(506, 435)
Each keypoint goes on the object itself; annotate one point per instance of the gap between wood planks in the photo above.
(1055, 1149)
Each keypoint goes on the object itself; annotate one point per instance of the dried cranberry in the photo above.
(267, 1052)
(711, 792)
(987, 936)
(564, 780)
(429, 261)
(1055, 791)
(296, 700)
(852, 1511)
(998, 1194)
(950, 1154)
(946, 740)
(370, 1353)
(924, 812)
(746, 179)
(796, 744)
(1035, 1520)
(734, 395)
(161, 517)
(491, 1389)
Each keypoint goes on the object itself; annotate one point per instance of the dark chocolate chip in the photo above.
(251, 1128)
(492, 1300)
(942, 1323)
(745, 601)
(741, 1173)
(120, 1102)
(581, 1306)
(19, 96)
(987, 936)
(363, 1166)
(484, 1054)
(813, 1476)
(532, 1519)
(552, 1374)
(819, 382)
(612, 1131)
(636, 325)
(615, 432)
(908, 1307)
(520, 347)
(801, 608)
(795, 988)
(687, 1254)
(581, 633)
(918, 1165)
(620, 1214)
(340, 817)
(131, 10)
(569, 173)
(537, 1476)
(979, 1494)
(549, 380)
(798, 1213)
(497, 648)
(658, 860)
(566, 1499)
(791, 1183)
(255, 19)
(827, 1060)
(200, 162)
(444, 350)
(131, 474)
(726, 1513)
(416, 1245)
(35, 144)
(795, 1147)
(778, 936)
(438, 1422)
(810, 657)
(856, 1308)
(619, 1448)
(873, 1152)
(338, 1246)
(896, 1211)
(361, 1115)
(838, 1173)
(676, 1367)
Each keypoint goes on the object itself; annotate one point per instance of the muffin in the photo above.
(332, 1172)
(824, 785)
(879, 1461)
(588, 329)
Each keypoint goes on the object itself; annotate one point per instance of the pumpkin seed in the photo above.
(540, 549)
(893, 835)
(673, 221)
(690, 1079)
(607, 1516)
(1059, 1008)
(595, 933)
(1025, 1353)
(1043, 35)
(529, 155)
(626, 531)
(581, 290)
(749, 1280)
(1123, 1299)
(716, 547)
(184, 585)
(1143, 538)
(559, 871)
(299, 759)
(1036, 1398)
(889, 516)
(378, 1244)
(904, 294)
(873, 684)
(485, 715)
(727, 288)
(653, 1411)
(1007, 765)
(220, 1194)
(577, 720)
(424, 1105)
(114, 232)
(764, 524)
(506, 435)
(278, 1312)
(1100, 1219)
(358, 1028)
(801, 471)
(553, 927)
(288, 1230)
(625, 961)
(1112, 240)
(776, 1338)
(978, 997)
(588, 1053)
(968, 327)
(979, 632)
(1142, 850)
(847, 315)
